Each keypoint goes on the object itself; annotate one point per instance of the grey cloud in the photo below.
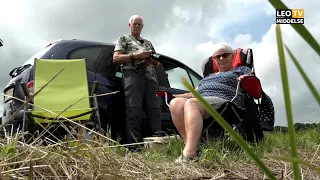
(183, 34)
(41, 22)
(304, 109)
(95, 20)
(304, 106)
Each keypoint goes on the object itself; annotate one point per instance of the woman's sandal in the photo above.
(183, 158)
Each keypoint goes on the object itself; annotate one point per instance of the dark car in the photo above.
(100, 67)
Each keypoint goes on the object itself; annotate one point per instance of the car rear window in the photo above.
(90, 54)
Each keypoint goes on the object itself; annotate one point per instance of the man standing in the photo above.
(139, 80)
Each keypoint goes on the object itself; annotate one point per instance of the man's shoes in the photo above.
(133, 149)
(160, 134)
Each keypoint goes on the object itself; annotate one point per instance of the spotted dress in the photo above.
(224, 85)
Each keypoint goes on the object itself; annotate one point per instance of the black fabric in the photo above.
(247, 57)
(257, 118)
(265, 113)
(228, 114)
(140, 96)
(250, 127)
(226, 111)
(207, 66)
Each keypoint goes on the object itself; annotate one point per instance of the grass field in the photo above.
(221, 159)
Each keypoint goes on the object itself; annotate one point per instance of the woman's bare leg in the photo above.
(193, 114)
(177, 114)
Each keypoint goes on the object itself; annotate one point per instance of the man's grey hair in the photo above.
(134, 17)
(222, 46)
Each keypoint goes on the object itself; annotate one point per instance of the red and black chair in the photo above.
(258, 114)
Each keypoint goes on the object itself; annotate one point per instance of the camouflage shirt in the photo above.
(128, 44)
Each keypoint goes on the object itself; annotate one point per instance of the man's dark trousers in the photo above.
(140, 95)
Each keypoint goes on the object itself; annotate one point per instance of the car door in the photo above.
(112, 109)
(169, 76)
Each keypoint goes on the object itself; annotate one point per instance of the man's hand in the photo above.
(154, 62)
(141, 55)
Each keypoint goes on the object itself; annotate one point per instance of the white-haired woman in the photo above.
(217, 88)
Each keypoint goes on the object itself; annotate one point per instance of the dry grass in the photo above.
(220, 160)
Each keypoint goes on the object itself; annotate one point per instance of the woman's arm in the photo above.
(244, 72)
(185, 95)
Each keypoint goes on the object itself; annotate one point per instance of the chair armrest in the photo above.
(166, 95)
(252, 85)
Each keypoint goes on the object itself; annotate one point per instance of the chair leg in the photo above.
(24, 119)
(97, 113)
(235, 112)
(206, 130)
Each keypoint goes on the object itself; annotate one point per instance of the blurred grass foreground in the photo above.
(223, 159)
(284, 154)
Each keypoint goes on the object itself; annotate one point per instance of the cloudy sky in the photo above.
(183, 29)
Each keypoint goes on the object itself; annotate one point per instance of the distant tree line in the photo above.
(298, 127)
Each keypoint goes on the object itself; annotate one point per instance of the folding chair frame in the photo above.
(236, 124)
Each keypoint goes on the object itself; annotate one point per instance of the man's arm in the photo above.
(118, 56)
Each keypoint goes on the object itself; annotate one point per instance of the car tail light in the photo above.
(30, 84)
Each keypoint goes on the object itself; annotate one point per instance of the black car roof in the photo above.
(91, 42)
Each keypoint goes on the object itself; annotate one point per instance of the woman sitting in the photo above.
(217, 88)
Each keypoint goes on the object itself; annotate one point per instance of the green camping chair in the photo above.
(66, 95)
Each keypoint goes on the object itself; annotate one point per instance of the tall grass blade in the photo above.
(286, 93)
(302, 162)
(300, 28)
(304, 76)
(228, 128)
